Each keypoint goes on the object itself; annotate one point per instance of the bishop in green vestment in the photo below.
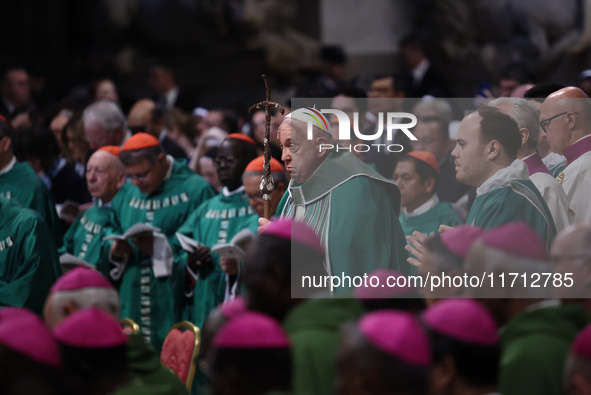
(28, 257)
(162, 192)
(84, 239)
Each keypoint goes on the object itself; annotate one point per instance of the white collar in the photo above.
(9, 166)
(171, 96)
(515, 171)
(423, 208)
(227, 193)
(170, 161)
(419, 72)
(530, 155)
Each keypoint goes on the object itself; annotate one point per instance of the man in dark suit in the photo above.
(423, 79)
(386, 95)
(15, 90)
(162, 80)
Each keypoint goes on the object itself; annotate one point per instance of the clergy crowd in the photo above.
(156, 217)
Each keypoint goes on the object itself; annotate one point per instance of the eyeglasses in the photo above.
(546, 122)
(140, 176)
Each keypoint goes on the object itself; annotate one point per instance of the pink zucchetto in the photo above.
(382, 292)
(90, 328)
(582, 344)
(516, 238)
(294, 231)
(23, 332)
(80, 278)
(251, 330)
(398, 334)
(465, 320)
(460, 238)
(233, 308)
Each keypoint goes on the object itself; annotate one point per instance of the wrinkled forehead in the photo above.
(102, 159)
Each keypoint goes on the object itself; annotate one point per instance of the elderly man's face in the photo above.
(104, 176)
(553, 118)
(97, 136)
(469, 153)
(430, 139)
(300, 155)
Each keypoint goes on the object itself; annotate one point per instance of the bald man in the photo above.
(565, 117)
(526, 115)
(145, 116)
(105, 174)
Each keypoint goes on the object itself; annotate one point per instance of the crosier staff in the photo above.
(267, 184)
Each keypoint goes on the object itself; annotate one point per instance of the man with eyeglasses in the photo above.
(160, 192)
(526, 115)
(565, 118)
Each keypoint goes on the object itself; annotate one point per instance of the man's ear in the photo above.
(524, 135)
(571, 118)
(120, 179)
(493, 150)
(161, 158)
(443, 373)
(429, 184)
(5, 144)
(323, 150)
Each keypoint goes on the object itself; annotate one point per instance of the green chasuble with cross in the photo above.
(21, 183)
(84, 238)
(509, 196)
(28, 257)
(215, 222)
(354, 211)
(155, 303)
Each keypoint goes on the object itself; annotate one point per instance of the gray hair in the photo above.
(525, 114)
(105, 299)
(105, 113)
(441, 107)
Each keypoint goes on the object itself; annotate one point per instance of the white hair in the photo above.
(105, 299)
(105, 113)
(525, 114)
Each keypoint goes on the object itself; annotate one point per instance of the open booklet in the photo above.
(134, 231)
(69, 261)
(237, 247)
(188, 244)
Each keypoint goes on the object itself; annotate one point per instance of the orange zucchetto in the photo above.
(426, 157)
(257, 165)
(112, 149)
(243, 137)
(140, 141)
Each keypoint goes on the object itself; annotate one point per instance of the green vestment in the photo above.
(21, 183)
(314, 329)
(354, 211)
(84, 238)
(28, 257)
(534, 348)
(156, 303)
(509, 196)
(143, 362)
